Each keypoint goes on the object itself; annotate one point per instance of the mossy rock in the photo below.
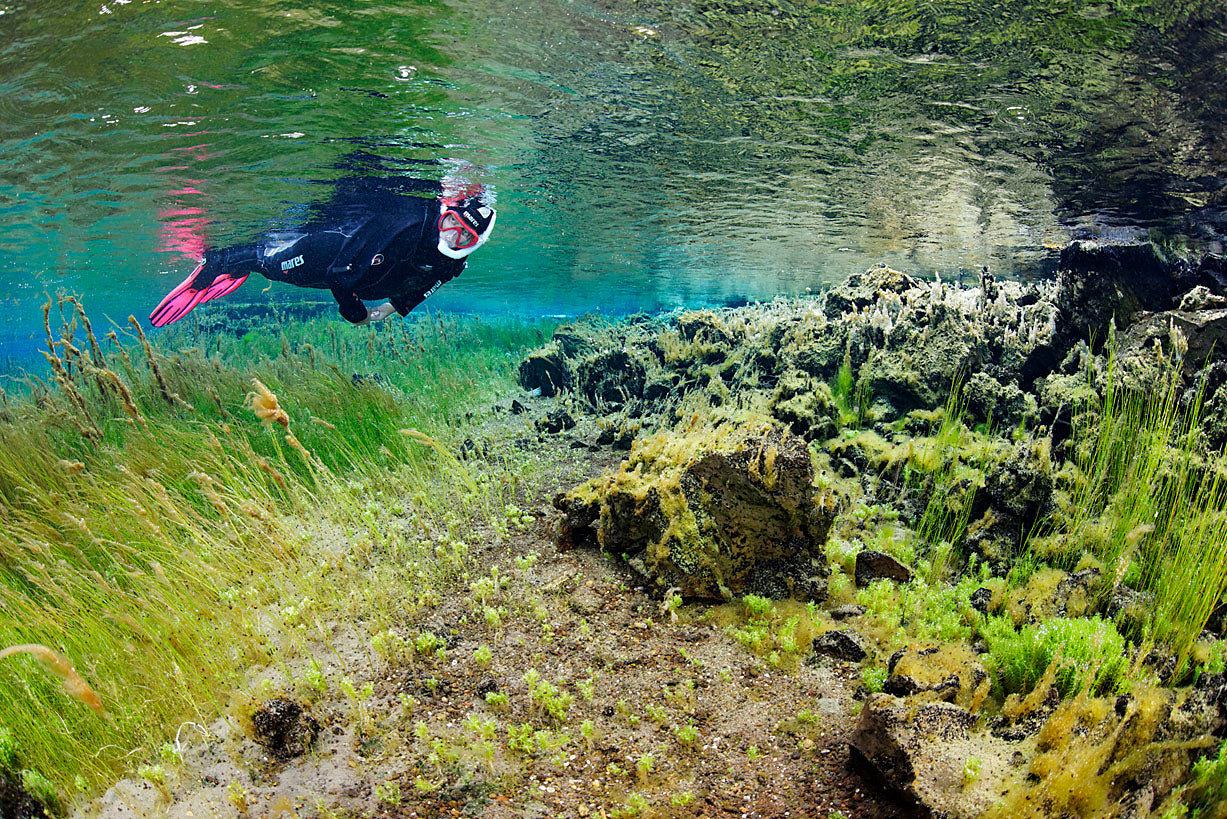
(806, 405)
(546, 370)
(610, 379)
(573, 341)
(812, 344)
(862, 290)
(1001, 405)
(704, 327)
(947, 671)
(718, 513)
(919, 367)
(1018, 493)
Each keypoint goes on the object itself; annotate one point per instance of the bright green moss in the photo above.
(1087, 652)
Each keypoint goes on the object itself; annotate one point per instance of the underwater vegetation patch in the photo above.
(1085, 653)
(1146, 497)
(154, 493)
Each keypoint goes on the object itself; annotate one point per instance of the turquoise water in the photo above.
(644, 154)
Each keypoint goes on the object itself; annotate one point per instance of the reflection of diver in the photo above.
(380, 245)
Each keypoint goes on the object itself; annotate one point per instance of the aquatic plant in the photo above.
(1206, 794)
(61, 667)
(141, 504)
(1083, 653)
(1147, 501)
(950, 473)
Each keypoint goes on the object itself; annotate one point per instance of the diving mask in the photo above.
(464, 226)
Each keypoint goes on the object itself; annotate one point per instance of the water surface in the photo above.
(644, 154)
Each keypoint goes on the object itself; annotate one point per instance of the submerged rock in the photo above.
(1017, 492)
(15, 802)
(610, 379)
(842, 645)
(546, 370)
(906, 341)
(922, 752)
(847, 611)
(806, 405)
(284, 728)
(872, 565)
(556, 421)
(950, 672)
(718, 513)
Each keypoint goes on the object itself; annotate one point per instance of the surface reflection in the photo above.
(646, 154)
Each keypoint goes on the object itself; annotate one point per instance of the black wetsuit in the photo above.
(383, 248)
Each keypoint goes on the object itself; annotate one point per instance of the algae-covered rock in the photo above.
(920, 366)
(862, 290)
(1001, 406)
(546, 370)
(718, 513)
(841, 644)
(1017, 492)
(706, 328)
(610, 379)
(1093, 756)
(873, 565)
(948, 672)
(923, 753)
(284, 728)
(806, 405)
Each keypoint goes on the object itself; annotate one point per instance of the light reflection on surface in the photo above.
(644, 155)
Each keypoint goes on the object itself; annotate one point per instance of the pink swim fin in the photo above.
(184, 298)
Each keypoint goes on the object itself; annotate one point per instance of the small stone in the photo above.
(873, 565)
(842, 645)
(980, 599)
(556, 421)
(846, 611)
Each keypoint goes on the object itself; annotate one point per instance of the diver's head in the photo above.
(464, 226)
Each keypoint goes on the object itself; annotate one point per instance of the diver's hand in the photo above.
(379, 312)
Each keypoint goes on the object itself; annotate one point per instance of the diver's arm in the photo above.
(405, 301)
(378, 313)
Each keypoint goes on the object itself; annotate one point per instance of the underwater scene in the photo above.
(613, 408)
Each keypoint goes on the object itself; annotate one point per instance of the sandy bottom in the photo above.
(683, 720)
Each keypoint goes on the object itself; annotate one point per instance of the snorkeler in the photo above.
(381, 246)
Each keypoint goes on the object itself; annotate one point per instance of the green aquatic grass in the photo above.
(1205, 795)
(1149, 502)
(950, 470)
(150, 519)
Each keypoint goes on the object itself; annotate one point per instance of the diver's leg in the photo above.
(219, 272)
(302, 259)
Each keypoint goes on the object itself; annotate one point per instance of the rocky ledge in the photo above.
(893, 431)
